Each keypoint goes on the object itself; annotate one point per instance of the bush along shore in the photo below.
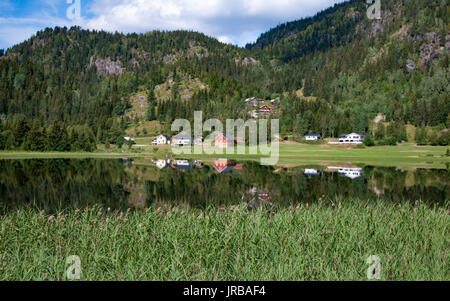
(322, 241)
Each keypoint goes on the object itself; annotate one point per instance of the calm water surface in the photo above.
(120, 184)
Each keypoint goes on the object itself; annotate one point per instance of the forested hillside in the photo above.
(357, 68)
(334, 73)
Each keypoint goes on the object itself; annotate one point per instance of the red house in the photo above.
(265, 109)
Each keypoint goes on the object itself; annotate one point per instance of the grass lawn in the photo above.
(323, 241)
(406, 156)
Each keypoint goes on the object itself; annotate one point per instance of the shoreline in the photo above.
(406, 156)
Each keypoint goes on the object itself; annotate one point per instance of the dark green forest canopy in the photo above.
(334, 73)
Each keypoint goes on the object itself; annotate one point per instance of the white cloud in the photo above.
(21, 25)
(232, 21)
(17, 30)
(225, 39)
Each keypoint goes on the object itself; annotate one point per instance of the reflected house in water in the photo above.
(127, 161)
(224, 165)
(264, 196)
(312, 172)
(349, 172)
(183, 164)
(84, 182)
(162, 164)
(254, 197)
(198, 164)
(180, 164)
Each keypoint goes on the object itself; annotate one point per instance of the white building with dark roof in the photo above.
(313, 137)
(352, 138)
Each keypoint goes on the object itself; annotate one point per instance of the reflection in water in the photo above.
(53, 184)
(224, 165)
(119, 184)
(349, 172)
(312, 172)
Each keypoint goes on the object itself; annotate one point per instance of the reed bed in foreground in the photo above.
(323, 241)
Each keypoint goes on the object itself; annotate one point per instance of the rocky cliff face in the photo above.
(431, 49)
(195, 50)
(247, 61)
(106, 66)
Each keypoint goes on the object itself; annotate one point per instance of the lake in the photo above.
(55, 184)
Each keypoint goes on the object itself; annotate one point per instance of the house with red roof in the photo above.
(265, 109)
(224, 141)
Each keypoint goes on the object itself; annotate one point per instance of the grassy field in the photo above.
(406, 156)
(323, 241)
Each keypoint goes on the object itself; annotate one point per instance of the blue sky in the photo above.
(231, 21)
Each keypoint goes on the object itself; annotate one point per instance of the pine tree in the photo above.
(380, 132)
(416, 116)
(20, 131)
(54, 137)
(424, 112)
(73, 138)
(435, 112)
(421, 136)
(100, 137)
(35, 139)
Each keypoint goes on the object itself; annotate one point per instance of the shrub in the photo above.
(368, 141)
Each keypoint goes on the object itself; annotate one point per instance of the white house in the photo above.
(161, 140)
(182, 140)
(312, 137)
(274, 101)
(352, 173)
(128, 139)
(255, 101)
(353, 138)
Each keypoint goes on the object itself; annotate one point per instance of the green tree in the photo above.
(19, 81)
(57, 138)
(380, 132)
(35, 139)
(20, 131)
(435, 112)
(368, 140)
(416, 116)
(10, 141)
(421, 136)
